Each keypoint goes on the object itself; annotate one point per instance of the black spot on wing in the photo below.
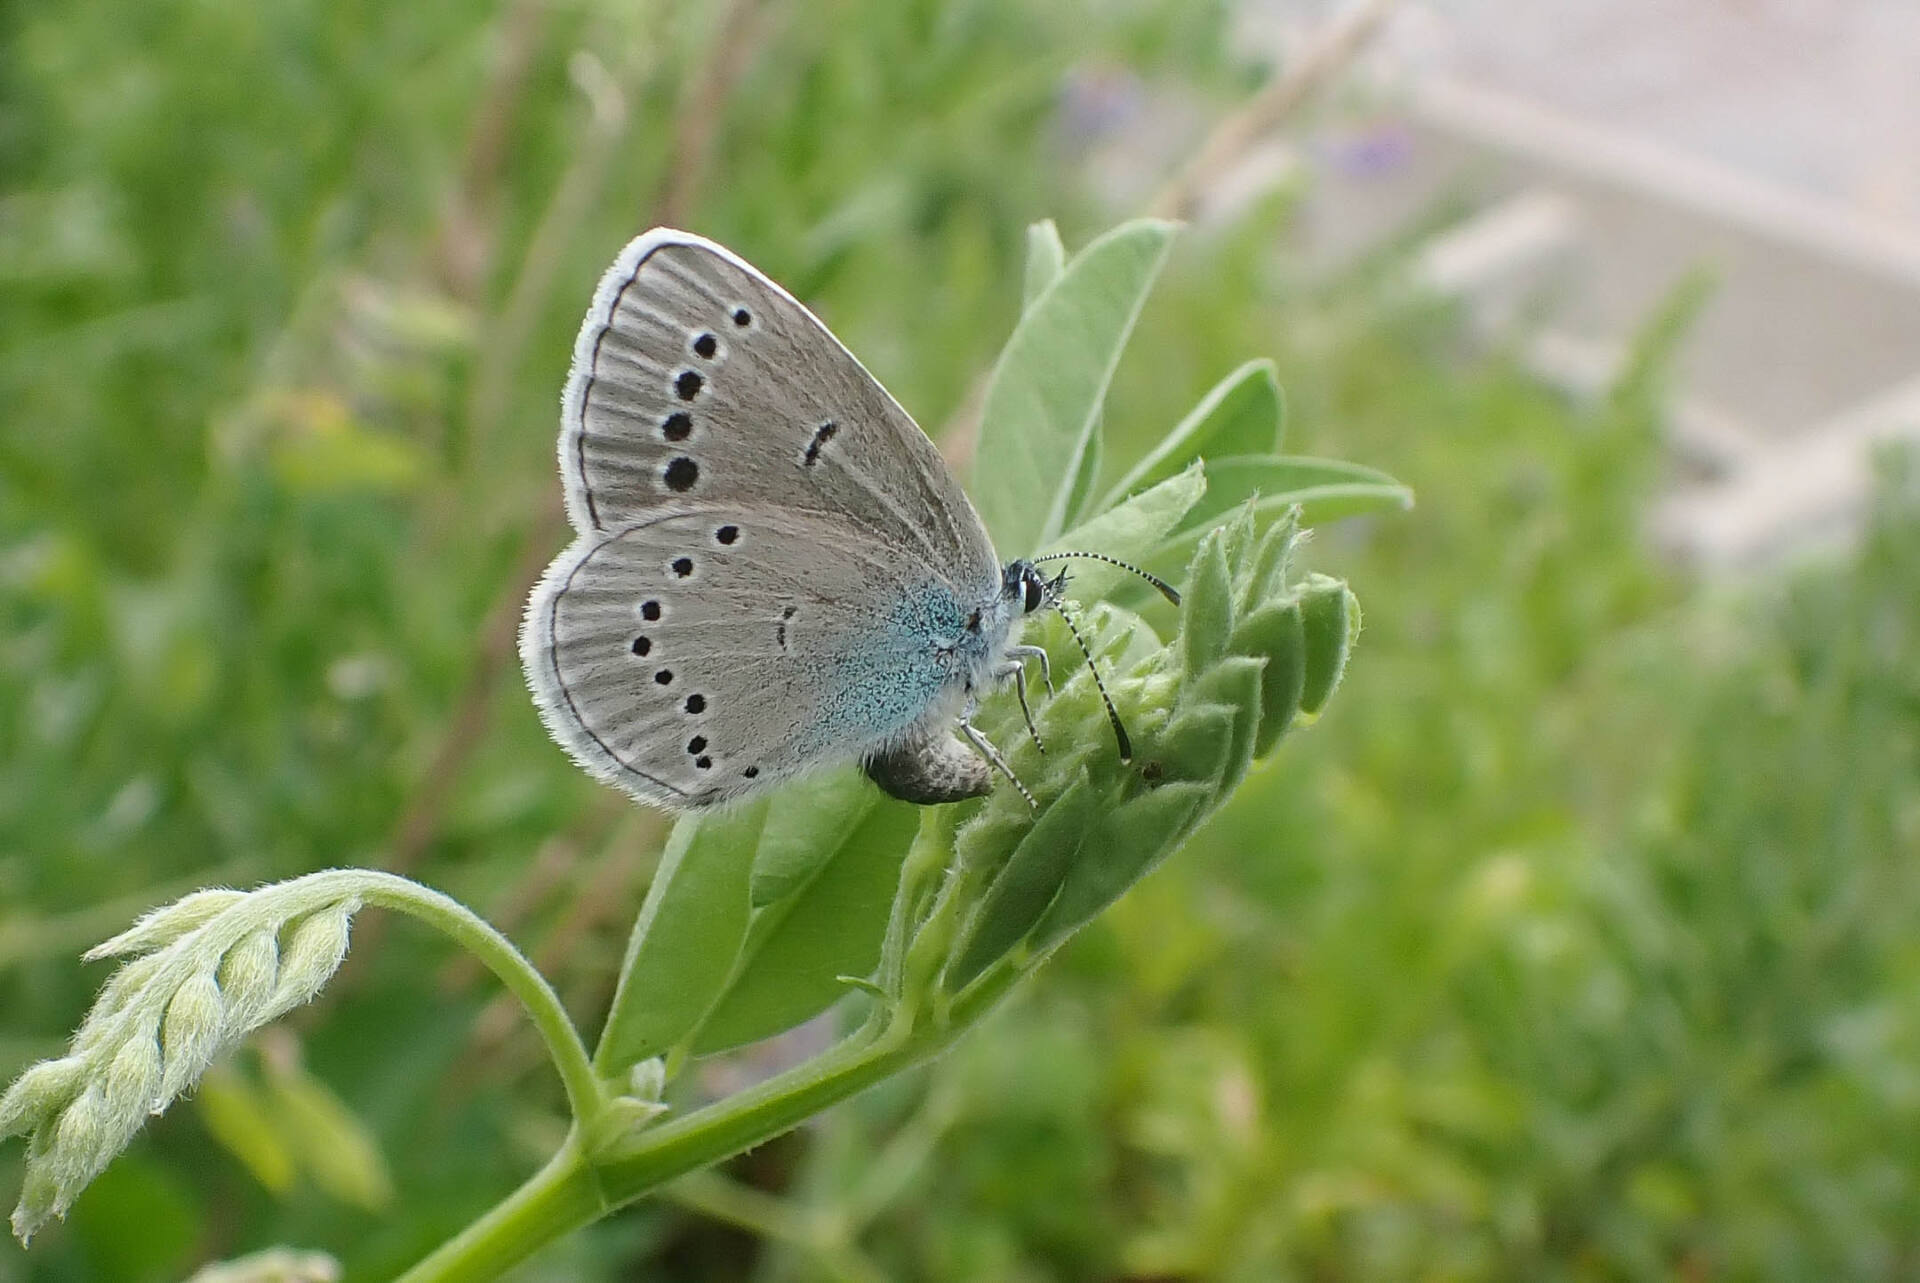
(821, 435)
(680, 474)
(573, 708)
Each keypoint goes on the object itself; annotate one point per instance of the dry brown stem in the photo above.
(1326, 56)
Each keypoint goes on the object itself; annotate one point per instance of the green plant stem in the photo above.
(559, 1198)
(585, 1096)
(926, 860)
(573, 1189)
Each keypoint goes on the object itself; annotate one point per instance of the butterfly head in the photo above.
(1024, 586)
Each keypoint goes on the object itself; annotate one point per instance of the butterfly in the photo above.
(774, 570)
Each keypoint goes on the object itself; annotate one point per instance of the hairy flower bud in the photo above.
(168, 923)
(248, 976)
(1331, 620)
(314, 949)
(39, 1093)
(210, 969)
(191, 1033)
(133, 1077)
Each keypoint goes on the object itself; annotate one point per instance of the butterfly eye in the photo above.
(1034, 593)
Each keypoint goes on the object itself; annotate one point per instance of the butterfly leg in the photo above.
(992, 754)
(1014, 670)
(1021, 654)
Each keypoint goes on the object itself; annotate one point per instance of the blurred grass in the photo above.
(1586, 952)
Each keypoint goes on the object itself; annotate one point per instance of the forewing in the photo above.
(706, 654)
(698, 381)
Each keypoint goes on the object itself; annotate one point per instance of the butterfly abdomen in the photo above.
(930, 767)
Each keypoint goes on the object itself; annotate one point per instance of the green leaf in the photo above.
(1027, 884)
(804, 829)
(691, 929)
(1244, 414)
(829, 928)
(1043, 403)
(335, 1148)
(1130, 531)
(1046, 259)
(1325, 489)
(1125, 845)
(234, 1113)
(1080, 493)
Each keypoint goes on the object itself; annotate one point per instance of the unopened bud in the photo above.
(39, 1092)
(168, 923)
(248, 975)
(315, 948)
(190, 1035)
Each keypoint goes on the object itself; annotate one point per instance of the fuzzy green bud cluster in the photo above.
(1255, 653)
(202, 973)
(275, 1265)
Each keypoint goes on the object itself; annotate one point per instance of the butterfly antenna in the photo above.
(1166, 589)
(1113, 715)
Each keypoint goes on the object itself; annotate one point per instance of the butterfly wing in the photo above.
(768, 545)
(696, 379)
(688, 659)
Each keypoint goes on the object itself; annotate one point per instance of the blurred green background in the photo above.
(1578, 941)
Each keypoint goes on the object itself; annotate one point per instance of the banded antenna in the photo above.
(1166, 589)
(1113, 715)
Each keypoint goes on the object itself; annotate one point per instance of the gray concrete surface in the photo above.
(1609, 148)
